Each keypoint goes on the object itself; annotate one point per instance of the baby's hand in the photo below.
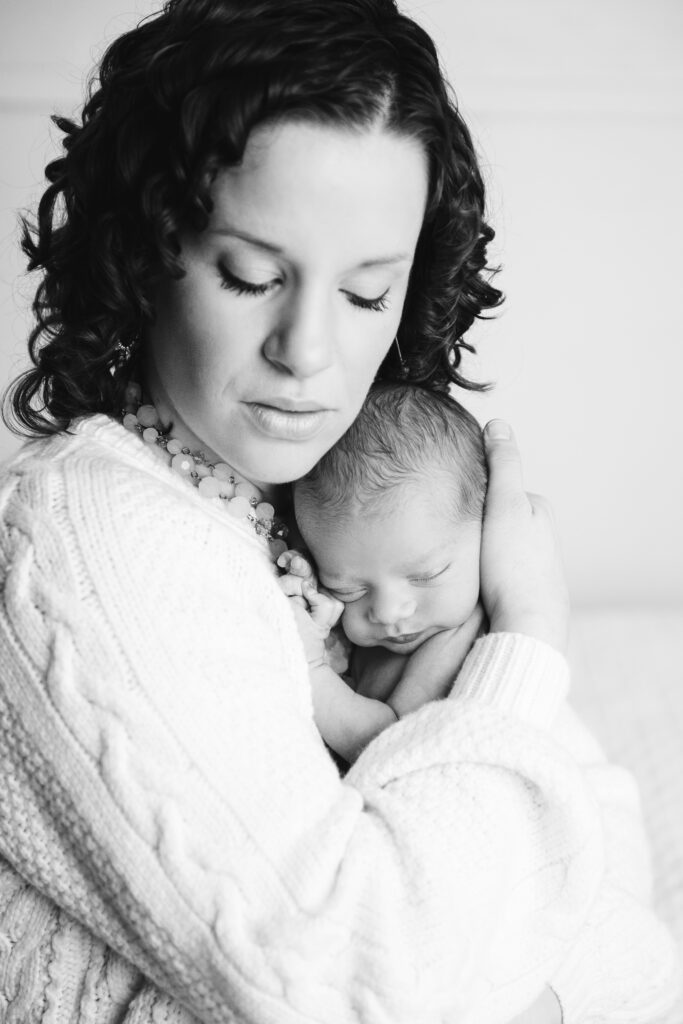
(296, 571)
(315, 613)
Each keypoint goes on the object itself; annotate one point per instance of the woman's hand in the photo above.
(522, 580)
(546, 1010)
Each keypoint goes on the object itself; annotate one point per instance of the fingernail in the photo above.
(498, 430)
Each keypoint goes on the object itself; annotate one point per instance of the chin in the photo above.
(281, 463)
(402, 649)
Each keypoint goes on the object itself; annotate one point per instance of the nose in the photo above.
(389, 608)
(301, 342)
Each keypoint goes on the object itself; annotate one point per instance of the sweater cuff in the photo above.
(573, 986)
(515, 674)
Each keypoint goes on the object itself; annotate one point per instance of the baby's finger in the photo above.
(291, 586)
(324, 610)
(284, 560)
(300, 566)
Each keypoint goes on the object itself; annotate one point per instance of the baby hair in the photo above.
(174, 101)
(401, 432)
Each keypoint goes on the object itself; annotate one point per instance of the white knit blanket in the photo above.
(627, 668)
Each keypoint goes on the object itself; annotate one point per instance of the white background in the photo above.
(577, 109)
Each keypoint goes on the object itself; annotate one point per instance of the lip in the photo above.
(291, 404)
(288, 421)
(404, 638)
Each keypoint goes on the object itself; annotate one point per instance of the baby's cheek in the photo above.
(352, 624)
(455, 606)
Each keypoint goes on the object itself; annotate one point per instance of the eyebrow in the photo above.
(260, 243)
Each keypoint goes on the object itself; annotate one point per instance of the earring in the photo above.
(403, 367)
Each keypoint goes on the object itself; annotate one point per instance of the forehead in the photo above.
(304, 187)
(407, 533)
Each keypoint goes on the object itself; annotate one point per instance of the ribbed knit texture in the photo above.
(162, 782)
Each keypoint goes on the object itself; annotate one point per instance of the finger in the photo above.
(336, 606)
(540, 503)
(285, 559)
(336, 610)
(473, 625)
(300, 566)
(291, 586)
(319, 604)
(504, 465)
(464, 639)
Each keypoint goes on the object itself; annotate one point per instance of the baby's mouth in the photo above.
(403, 638)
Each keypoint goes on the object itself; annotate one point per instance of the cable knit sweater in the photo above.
(170, 821)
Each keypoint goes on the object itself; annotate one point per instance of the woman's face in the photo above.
(263, 353)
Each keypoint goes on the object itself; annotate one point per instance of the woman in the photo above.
(261, 197)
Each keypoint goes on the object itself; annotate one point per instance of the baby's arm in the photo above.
(427, 674)
(346, 720)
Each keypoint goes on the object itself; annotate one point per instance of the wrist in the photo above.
(516, 674)
(318, 664)
(552, 630)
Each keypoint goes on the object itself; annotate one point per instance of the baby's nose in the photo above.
(390, 608)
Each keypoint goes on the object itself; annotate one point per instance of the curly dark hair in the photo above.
(174, 100)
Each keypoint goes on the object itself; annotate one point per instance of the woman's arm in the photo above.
(166, 785)
(624, 960)
(545, 1009)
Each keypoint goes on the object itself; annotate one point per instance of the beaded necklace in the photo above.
(242, 499)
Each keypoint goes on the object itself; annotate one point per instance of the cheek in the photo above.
(352, 623)
(360, 368)
(368, 339)
(455, 604)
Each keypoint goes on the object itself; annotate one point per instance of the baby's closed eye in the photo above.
(345, 594)
(429, 577)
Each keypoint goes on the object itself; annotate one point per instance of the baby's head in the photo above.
(392, 516)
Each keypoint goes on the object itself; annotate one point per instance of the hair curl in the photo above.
(174, 100)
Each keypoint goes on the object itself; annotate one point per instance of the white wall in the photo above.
(577, 107)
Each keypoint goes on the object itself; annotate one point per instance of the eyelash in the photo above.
(377, 305)
(428, 579)
(344, 597)
(351, 597)
(235, 284)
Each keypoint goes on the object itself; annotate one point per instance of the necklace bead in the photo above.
(242, 499)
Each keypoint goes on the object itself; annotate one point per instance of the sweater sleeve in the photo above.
(624, 965)
(163, 781)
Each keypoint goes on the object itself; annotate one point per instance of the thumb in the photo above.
(504, 464)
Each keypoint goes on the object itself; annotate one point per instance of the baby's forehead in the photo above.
(430, 493)
(404, 535)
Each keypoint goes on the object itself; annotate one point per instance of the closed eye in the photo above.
(346, 596)
(429, 579)
(376, 305)
(236, 284)
(241, 287)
